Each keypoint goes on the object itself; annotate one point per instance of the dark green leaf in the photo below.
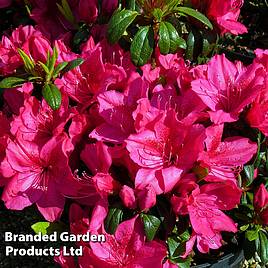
(169, 39)
(195, 14)
(72, 64)
(249, 172)
(113, 219)
(118, 24)
(182, 263)
(52, 95)
(151, 225)
(263, 247)
(142, 46)
(194, 45)
(11, 82)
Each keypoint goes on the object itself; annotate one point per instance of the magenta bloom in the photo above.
(223, 13)
(222, 158)
(165, 151)
(37, 122)
(228, 88)
(41, 176)
(126, 248)
(261, 203)
(204, 206)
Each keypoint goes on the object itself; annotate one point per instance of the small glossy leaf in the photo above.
(151, 225)
(113, 219)
(52, 95)
(11, 82)
(118, 24)
(249, 172)
(195, 14)
(252, 234)
(142, 46)
(72, 64)
(169, 39)
(263, 247)
(49, 227)
(41, 227)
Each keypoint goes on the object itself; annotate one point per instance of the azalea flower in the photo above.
(40, 176)
(126, 248)
(165, 152)
(205, 205)
(38, 123)
(228, 88)
(223, 14)
(223, 158)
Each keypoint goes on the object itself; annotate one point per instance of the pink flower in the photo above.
(126, 248)
(116, 109)
(223, 14)
(41, 176)
(222, 158)
(9, 57)
(261, 203)
(38, 123)
(257, 116)
(165, 151)
(228, 88)
(204, 206)
(87, 81)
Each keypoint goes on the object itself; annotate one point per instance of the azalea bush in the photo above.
(127, 117)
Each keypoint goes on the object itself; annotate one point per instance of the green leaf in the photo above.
(249, 172)
(169, 39)
(252, 234)
(28, 62)
(61, 66)
(151, 225)
(118, 24)
(41, 227)
(52, 95)
(244, 227)
(49, 227)
(194, 45)
(66, 11)
(11, 82)
(195, 14)
(72, 64)
(142, 46)
(182, 263)
(158, 14)
(263, 247)
(53, 60)
(45, 68)
(113, 219)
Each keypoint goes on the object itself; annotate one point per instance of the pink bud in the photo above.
(261, 197)
(128, 197)
(146, 197)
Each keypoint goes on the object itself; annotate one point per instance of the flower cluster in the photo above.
(126, 141)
